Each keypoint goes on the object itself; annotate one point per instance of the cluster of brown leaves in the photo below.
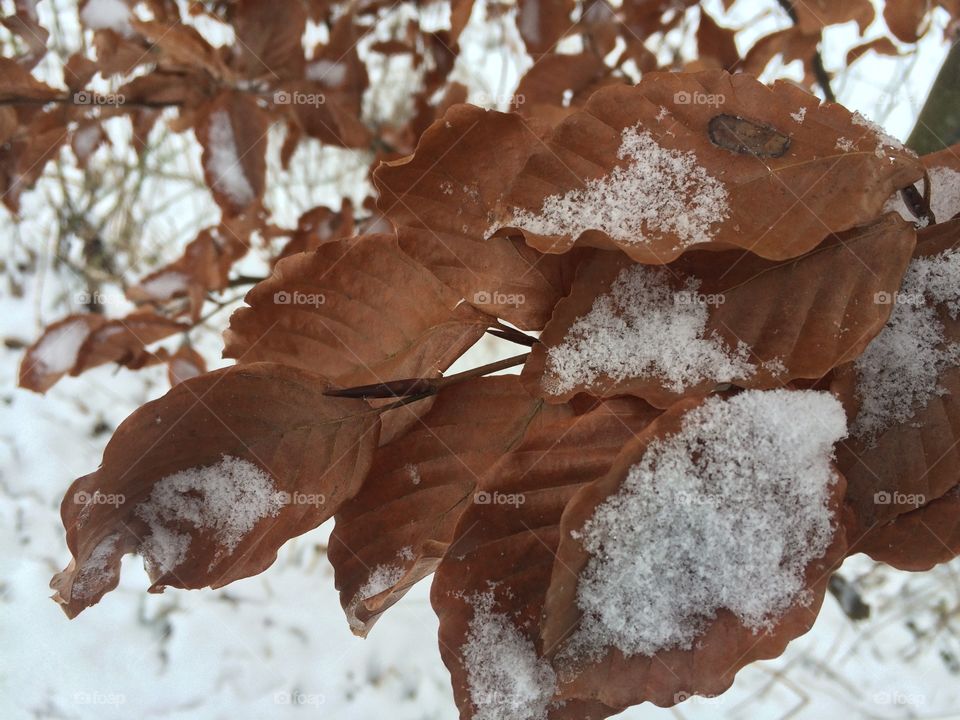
(442, 258)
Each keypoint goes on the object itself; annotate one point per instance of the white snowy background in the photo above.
(277, 645)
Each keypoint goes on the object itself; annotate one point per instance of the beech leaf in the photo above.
(651, 142)
(207, 482)
(396, 531)
(663, 333)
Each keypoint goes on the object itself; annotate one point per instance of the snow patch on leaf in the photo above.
(659, 191)
(227, 498)
(507, 680)
(642, 329)
(57, 350)
(97, 570)
(225, 165)
(900, 370)
(726, 513)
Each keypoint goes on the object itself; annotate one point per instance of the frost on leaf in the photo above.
(210, 480)
(718, 317)
(417, 488)
(638, 169)
(504, 552)
(902, 390)
(719, 522)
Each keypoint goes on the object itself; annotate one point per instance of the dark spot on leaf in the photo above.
(747, 137)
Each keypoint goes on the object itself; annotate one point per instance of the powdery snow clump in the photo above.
(227, 498)
(658, 192)
(899, 372)
(506, 678)
(639, 329)
(726, 513)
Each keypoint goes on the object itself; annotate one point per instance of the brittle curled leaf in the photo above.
(210, 480)
(636, 170)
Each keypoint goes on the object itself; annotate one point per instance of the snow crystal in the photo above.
(96, 570)
(507, 680)
(899, 371)
(799, 115)
(224, 162)
(57, 350)
(844, 144)
(413, 472)
(382, 577)
(107, 15)
(726, 513)
(227, 498)
(883, 139)
(638, 329)
(660, 191)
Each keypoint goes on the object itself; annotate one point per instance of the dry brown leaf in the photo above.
(356, 310)
(184, 364)
(268, 38)
(791, 44)
(881, 46)
(54, 354)
(723, 647)
(814, 15)
(443, 198)
(919, 539)
(233, 133)
(798, 318)
(397, 530)
(906, 18)
(913, 462)
(123, 341)
(652, 142)
(542, 23)
(504, 549)
(211, 479)
(16, 83)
